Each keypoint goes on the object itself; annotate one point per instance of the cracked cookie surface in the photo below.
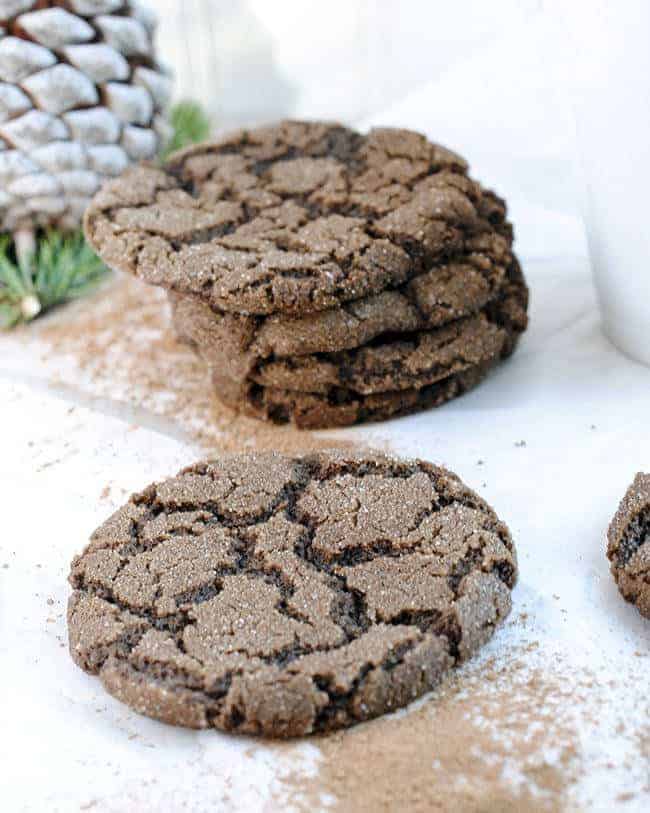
(391, 362)
(447, 292)
(340, 406)
(628, 547)
(284, 596)
(408, 361)
(292, 218)
(345, 405)
(243, 346)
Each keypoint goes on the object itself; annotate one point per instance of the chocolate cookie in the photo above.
(283, 596)
(339, 406)
(293, 218)
(391, 362)
(628, 547)
(408, 361)
(446, 293)
(344, 406)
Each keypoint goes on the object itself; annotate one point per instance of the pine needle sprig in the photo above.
(63, 267)
(190, 124)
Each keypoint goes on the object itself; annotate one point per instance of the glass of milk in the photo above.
(609, 76)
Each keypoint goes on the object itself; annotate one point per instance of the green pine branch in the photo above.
(190, 124)
(62, 267)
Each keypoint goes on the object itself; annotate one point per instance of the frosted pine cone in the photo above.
(81, 97)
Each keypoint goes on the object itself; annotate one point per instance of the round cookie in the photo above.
(408, 361)
(390, 363)
(445, 293)
(628, 547)
(283, 596)
(342, 407)
(292, 218)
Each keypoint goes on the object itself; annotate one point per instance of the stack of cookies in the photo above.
(325, 277)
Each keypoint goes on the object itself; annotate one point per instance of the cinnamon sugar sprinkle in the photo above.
(476, 744)
(509, 732)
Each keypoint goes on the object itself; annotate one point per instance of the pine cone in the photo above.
(81, 97)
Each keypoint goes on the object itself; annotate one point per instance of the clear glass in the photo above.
(608, 71)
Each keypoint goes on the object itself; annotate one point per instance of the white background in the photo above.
(489, 74)
(486, 78)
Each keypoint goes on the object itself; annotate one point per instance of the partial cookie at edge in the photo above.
(628, 547)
